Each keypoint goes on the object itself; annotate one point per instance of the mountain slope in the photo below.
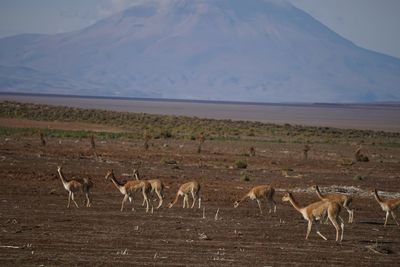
(251, 50)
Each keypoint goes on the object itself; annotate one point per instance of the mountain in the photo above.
(253, 50)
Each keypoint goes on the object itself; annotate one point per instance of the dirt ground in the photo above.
(37, 228)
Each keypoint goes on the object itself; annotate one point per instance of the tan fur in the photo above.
(192, 187)
(388, 205)
(157, 186)
(76, 185)
(257, 193)
(130, 188)
(342, 199)
(317, 211)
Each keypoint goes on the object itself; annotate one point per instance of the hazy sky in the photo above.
(372, 24)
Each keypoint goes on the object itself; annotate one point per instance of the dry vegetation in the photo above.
(38, 229)
(180, 127)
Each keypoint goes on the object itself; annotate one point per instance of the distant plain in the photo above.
(378, 116)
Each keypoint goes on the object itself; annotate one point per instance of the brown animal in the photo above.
(341, 199)
(75, 185)
(129, 188)
(192, 187)
(257, 193)
(317, 211)
(388, 205)
(157, 186)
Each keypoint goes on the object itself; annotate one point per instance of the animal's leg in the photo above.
(387, 216)
(336, 225)
(194, 199)
(160, 199)
(309, 226)
(69, 198)
(89, 201)
(349, 211)
(274, 204)
(186, 199)
(146, 200)
(259, 205)
(73, 199)
(394, 217)
(319, 233)
(123, 202)
(342, 226)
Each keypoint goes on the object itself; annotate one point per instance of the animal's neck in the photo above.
(243, 198)
(319, 192)
(62, 177)
(115, 181)
(295, 204)
(175, 199)
(136, 174)
(378, 199)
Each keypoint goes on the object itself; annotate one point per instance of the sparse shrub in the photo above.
(358, 177)
(241, 164)
(244, 178)
(252, 151)
(363, 158)
(166, 134)
(201, 141)
(305, 151)
(169, 161)
(346, 162)
(359, 156)
(251, 133)
(146, 138)
(288, 169)
(92, 142)
(42, 139)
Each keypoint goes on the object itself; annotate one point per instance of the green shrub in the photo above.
(358, 177)
(241, 164)
(244, 178)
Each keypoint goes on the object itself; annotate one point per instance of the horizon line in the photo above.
(386, 103)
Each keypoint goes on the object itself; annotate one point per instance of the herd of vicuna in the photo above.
(327, 208)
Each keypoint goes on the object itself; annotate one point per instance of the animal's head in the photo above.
(109, 173)
(136, 174)
(59, 168)
(170, 205)
(314, 187)
(286, 197)
(236, 204)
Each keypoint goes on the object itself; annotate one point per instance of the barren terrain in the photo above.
(38, 229)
